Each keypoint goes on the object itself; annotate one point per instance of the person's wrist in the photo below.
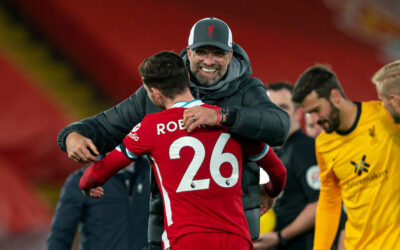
(281, 240)
(218, 117)
(223, 119)
(69, 137)
(224, 113)
(228, 116)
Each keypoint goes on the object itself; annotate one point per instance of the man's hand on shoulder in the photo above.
(199, 116)
(80, 149)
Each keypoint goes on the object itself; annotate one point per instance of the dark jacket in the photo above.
(117, 221)
(251, 115)
(302, 186)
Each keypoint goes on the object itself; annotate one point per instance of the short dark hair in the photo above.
(165, 71)
(319, 78)
(276, 86)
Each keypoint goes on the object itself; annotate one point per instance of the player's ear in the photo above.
(395, 100)
(156, 92)
(299, 114)
(188, 51)
(230, 55)
(335, 97)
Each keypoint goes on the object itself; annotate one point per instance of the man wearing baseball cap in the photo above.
(210, 32)
(220, 74)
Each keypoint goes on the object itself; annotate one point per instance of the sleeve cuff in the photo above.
(73, 127)
(231, 117)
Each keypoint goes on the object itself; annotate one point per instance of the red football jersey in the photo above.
(198, 173)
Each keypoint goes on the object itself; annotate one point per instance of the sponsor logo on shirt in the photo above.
(134, 136)
(136, 128)
(360, 167)
(369, 178)
(133, 133)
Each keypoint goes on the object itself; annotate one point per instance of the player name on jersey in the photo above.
(170, 126)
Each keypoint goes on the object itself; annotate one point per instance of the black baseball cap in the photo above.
(210, 31)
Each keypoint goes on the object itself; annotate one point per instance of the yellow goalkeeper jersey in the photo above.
(362, 167)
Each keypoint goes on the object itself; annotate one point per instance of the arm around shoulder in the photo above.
(108, 128)
(266, 121)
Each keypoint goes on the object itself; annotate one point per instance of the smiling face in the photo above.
(209, 64)
(327, 114)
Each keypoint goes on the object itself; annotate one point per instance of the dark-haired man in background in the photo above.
(295, 208)
(117, 221)
(358, 158)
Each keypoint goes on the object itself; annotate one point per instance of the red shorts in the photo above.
(211, 240)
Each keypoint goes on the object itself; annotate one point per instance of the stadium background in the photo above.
(64, 60)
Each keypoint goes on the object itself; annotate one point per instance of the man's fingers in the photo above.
(85, 155)
(96, 192)
(81, 158)
(73, 157)
(92, 147)
(80, 148)
(90, 158)
(189, 122)
(194, 125)
(77, 156)
(88, 151)
(186, 115)
(196, 116)
(86, 192)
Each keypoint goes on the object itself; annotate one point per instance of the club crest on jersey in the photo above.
(372, 134)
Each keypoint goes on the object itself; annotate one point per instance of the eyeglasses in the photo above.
(218, 55)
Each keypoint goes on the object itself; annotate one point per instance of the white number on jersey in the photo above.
(217, 159)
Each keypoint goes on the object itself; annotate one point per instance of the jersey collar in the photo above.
(190, 104)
